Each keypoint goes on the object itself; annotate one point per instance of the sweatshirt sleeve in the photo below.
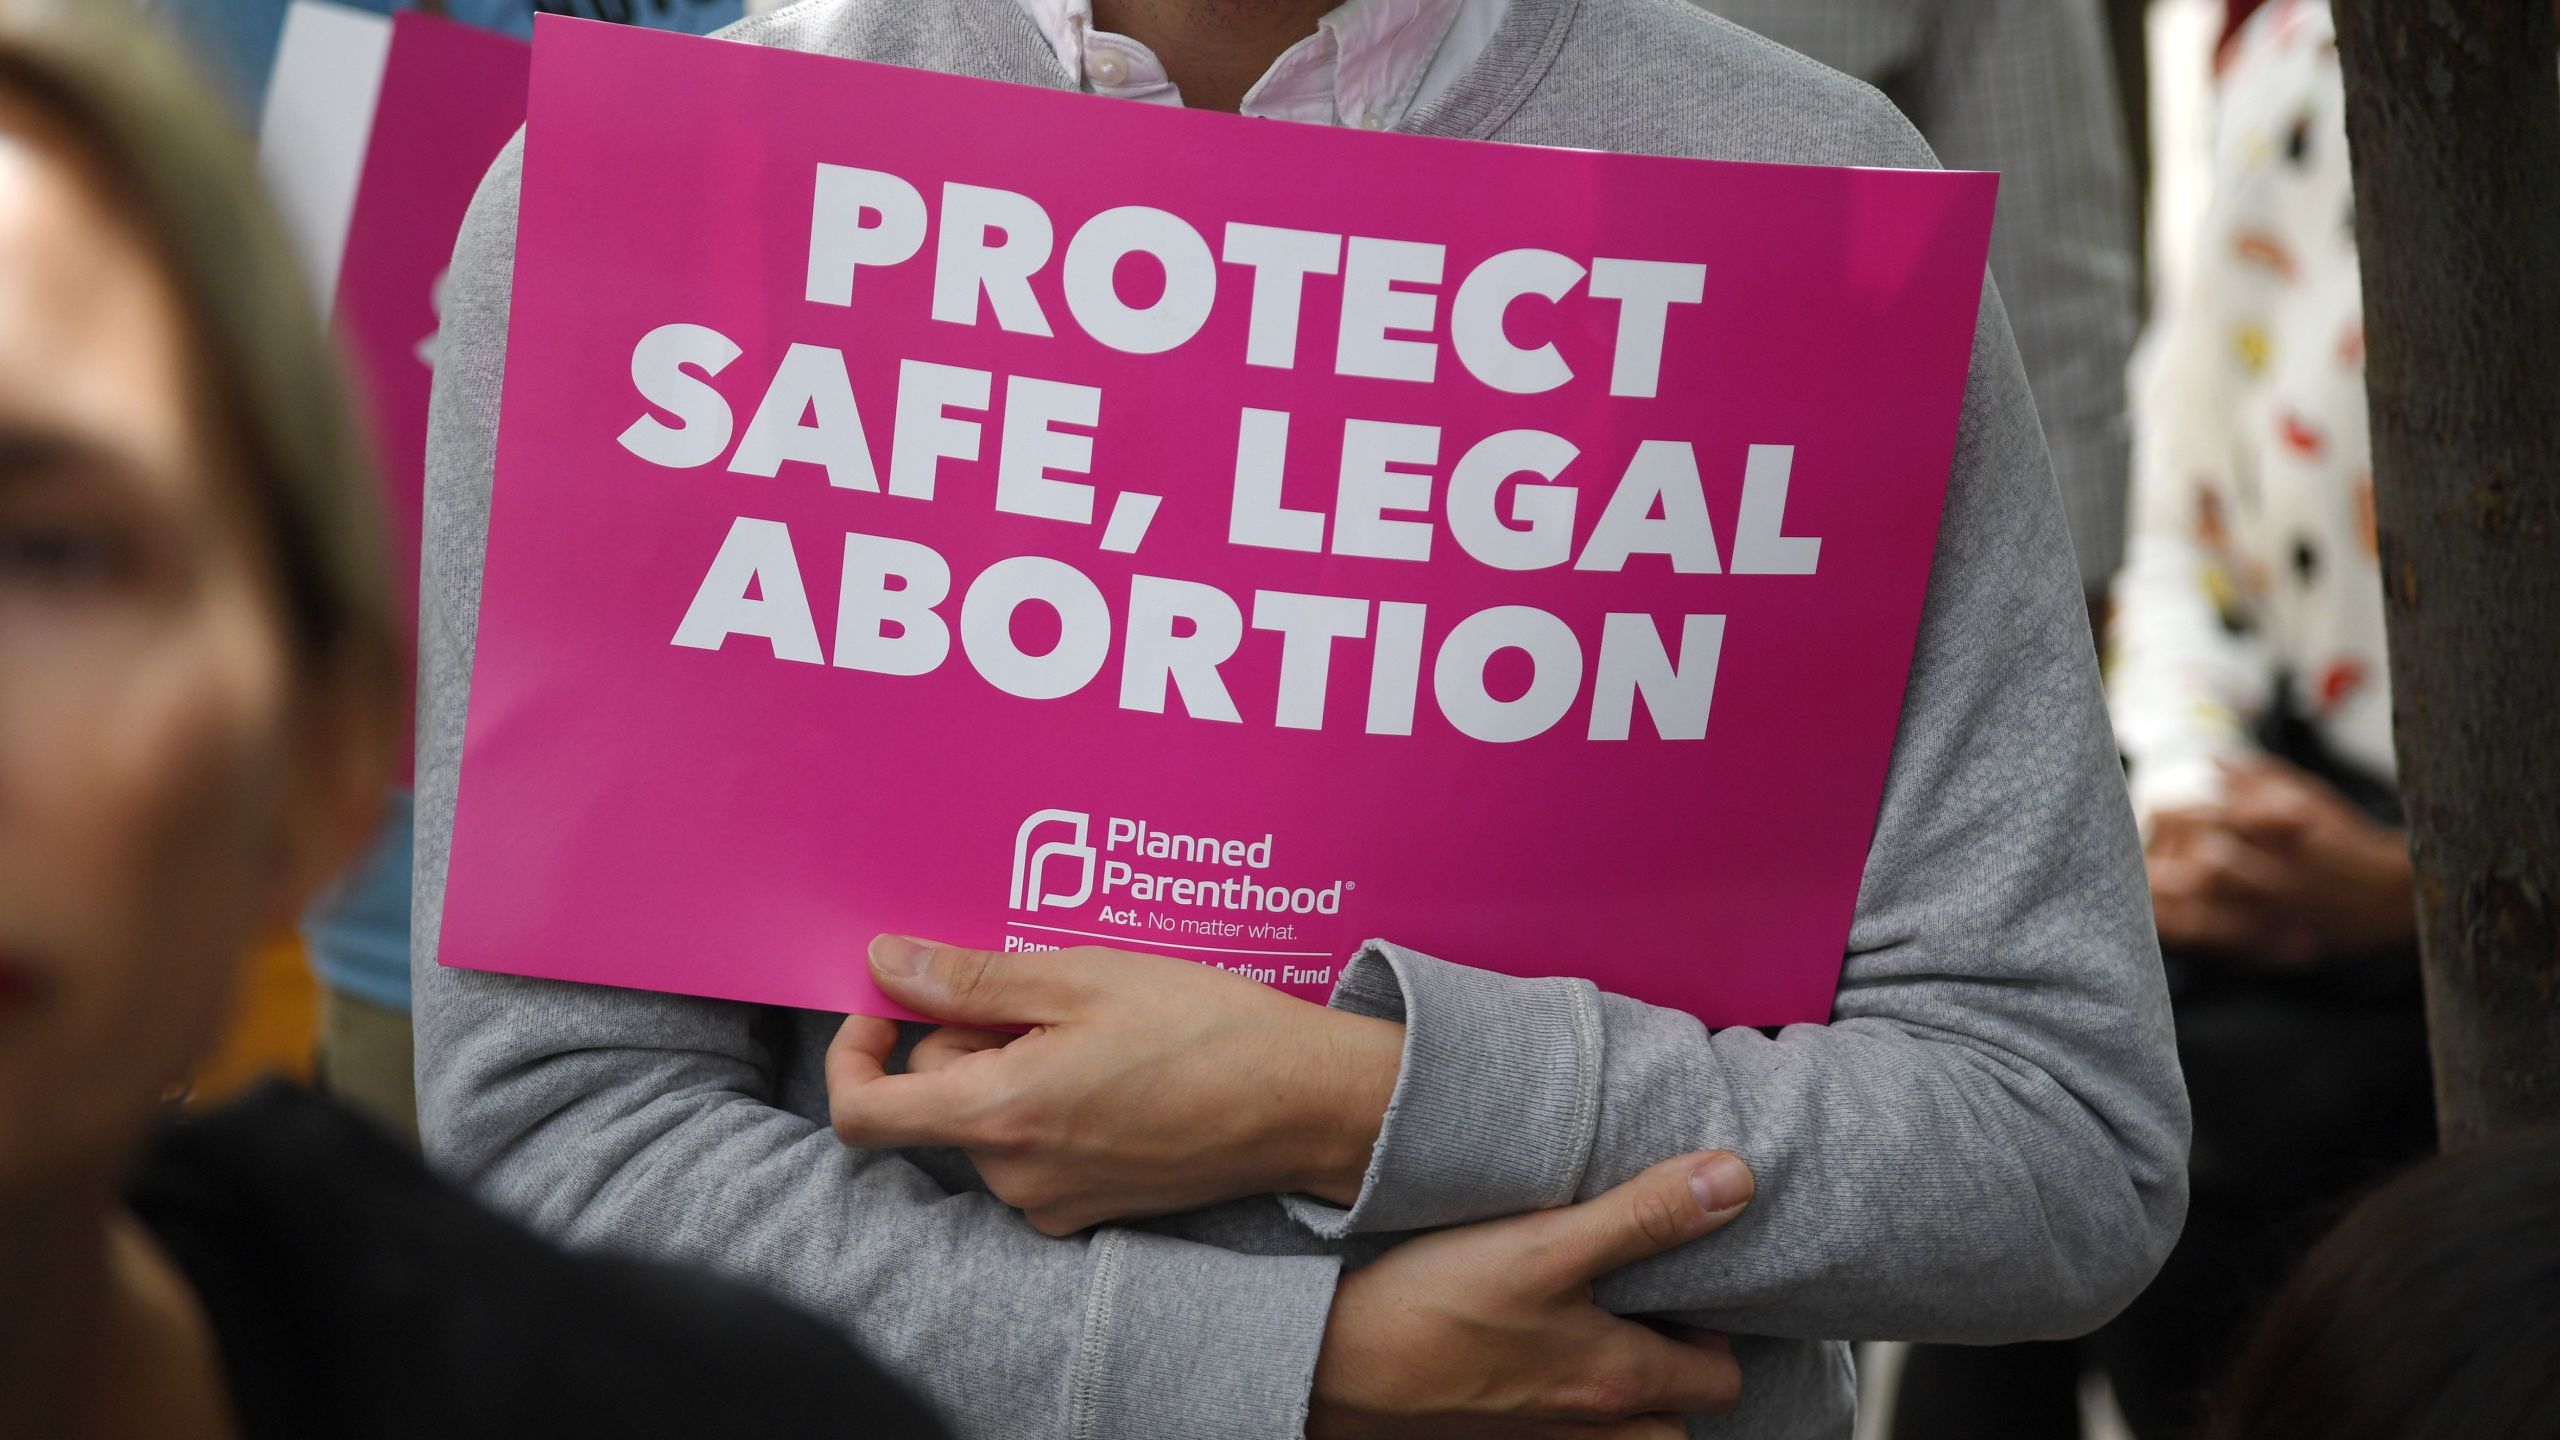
(646, 1124)
(1988, 1140)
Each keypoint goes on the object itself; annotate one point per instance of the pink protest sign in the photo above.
(451, 95)
(1249, 539)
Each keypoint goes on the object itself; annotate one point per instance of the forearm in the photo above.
(1916, 1183)
(1988, 1141)
(2188, 676)
(1924, 1173)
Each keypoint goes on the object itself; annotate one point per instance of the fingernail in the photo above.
(898, 955)
(1722, 1183)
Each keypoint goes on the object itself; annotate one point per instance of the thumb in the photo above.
(974, 987)
(1662, 1209)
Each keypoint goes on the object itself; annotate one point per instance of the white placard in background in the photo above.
(318, 119)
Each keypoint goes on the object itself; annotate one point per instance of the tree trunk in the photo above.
(2453, 115)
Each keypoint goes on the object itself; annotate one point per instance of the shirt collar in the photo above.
(1364, 65)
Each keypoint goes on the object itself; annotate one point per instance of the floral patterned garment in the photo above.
(2250, 574)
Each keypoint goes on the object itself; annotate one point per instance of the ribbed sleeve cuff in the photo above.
(1495, 1106)
(1190, 1340)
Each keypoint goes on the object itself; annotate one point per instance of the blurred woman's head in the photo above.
(199, 668)
(2432, 1312)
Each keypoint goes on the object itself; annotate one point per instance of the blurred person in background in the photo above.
(2432, 1312)
(199, 687)
(2250, 697)
(2025, 88)
(357, 932)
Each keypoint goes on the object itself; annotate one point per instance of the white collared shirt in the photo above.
(1370, 63)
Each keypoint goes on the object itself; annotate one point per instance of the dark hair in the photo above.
(271, 384)
(2432, 1312)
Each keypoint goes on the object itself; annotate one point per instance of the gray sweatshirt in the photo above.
(1987, 1142)
(2027, 88)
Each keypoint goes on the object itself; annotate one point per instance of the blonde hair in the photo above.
(271, 383)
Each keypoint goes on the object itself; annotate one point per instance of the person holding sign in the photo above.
(1185, 1203)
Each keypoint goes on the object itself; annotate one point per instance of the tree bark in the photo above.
(2453, 116)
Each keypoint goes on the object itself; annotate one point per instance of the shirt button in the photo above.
(1373, 121)
(1109, 68)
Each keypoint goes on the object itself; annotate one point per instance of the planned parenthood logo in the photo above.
(1035, 863)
